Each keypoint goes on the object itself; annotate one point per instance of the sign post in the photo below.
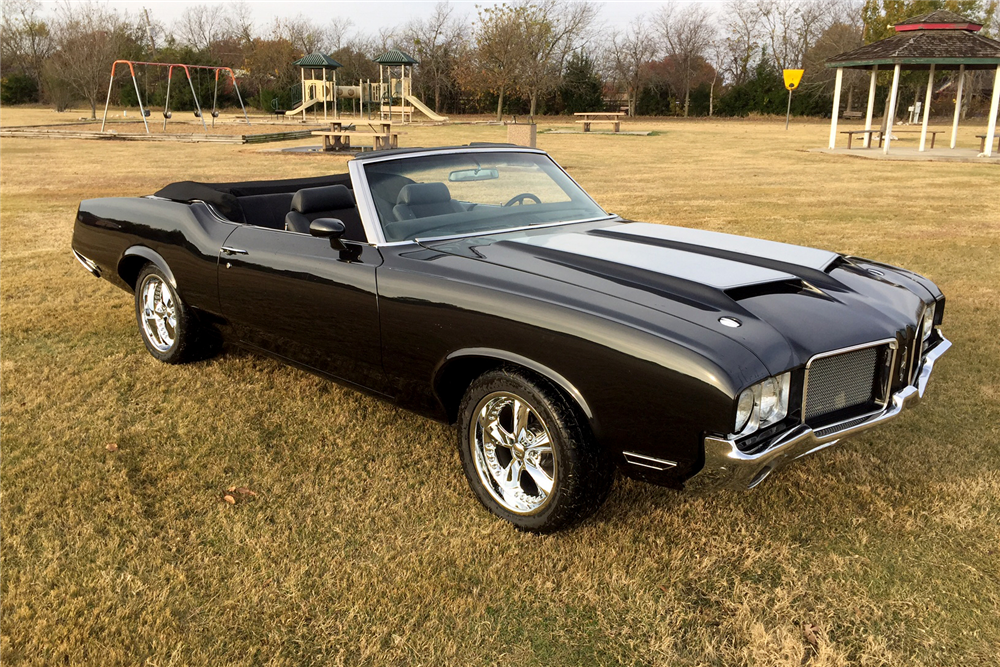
(792, 79)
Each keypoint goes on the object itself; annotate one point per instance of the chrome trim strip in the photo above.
(505, 230)
(88, 264)
(891, 342)
(648, 461)
(366, 204)
(726, 467)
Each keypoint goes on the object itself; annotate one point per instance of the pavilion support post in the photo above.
(891, 115)
(871, 107)
(303, 94)
(991, 129)
(836, 107)
(927, 108)
(324, 94)
(958, 105)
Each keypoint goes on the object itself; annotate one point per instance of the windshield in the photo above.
(464, 193)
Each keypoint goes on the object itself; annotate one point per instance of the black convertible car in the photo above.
(481, 286)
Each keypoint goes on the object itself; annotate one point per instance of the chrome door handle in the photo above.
(233, 251)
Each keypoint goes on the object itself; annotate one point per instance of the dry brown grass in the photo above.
(364, 546)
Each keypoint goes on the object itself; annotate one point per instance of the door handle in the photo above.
(233, 251)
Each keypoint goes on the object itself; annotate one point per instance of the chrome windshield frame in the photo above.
(369, 214)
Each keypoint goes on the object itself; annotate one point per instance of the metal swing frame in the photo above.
(170, 72)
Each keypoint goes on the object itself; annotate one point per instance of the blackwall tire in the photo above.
(169, 330)
(527, 454)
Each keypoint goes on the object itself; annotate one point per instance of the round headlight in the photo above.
(768, 399)
(744, 409)
(928, 322)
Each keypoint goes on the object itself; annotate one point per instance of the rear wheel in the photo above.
(526, 454)
(170, 331)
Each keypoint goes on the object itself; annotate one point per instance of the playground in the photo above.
(358, 545)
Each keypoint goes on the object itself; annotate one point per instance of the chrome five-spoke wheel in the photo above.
(513, 453)
(170, 331)
(159, 314)
(528, 453)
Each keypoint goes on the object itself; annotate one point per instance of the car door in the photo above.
(300, 298)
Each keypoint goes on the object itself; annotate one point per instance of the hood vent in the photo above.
(793, 286)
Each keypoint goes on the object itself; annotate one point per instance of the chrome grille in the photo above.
(842, 381)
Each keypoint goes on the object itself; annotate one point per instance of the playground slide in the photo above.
(424, 109)
(302, 107)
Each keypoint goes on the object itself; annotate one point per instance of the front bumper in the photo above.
(726, 467)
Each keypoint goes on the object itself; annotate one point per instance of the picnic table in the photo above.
(982, 141)
(338, 138)
(881, 135)
(590, 117)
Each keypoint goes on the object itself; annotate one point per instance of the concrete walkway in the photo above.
(913, 154)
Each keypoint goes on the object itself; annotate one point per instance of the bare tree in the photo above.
(238, 21)
(552, 29)
(301, 33)
(336, 33)
(688, 33)
(436, 42)
(630, 51)
(89, 37)
(743, 39)
(201, 25)
(496, 58)
(25, 38)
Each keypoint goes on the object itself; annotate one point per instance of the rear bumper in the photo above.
(726, 467)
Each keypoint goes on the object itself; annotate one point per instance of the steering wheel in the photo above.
(519, 199)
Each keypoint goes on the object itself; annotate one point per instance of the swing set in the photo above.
(167, 113)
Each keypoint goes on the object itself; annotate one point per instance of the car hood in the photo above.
(791, 302)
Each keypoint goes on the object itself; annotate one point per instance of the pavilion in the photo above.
(311, 83)
(940, 40)
(391, 87)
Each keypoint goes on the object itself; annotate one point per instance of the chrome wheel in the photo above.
(158, 313)
(512, 453)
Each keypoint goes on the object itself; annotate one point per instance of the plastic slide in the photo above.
(302, 107)
(424, 109)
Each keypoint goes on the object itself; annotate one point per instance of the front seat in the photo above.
(423, 200)
(331, 201)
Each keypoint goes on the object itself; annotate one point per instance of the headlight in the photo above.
(928, 321)
(763, 404)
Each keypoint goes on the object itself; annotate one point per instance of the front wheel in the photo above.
(170, 331)
(526, 454)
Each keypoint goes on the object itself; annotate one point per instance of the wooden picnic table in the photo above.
(611, 117)
(982, 141)
(337, 138)
(881, 135)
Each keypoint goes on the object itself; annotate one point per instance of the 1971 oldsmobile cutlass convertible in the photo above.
(481, 286)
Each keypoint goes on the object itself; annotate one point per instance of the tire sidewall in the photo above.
(565, 433)
(175, 352)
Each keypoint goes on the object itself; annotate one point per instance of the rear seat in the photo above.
(266, 210)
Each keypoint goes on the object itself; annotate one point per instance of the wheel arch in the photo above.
(134, 258)
(457, 371)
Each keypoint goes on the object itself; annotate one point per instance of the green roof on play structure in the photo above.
(396, 57)
(317, 60)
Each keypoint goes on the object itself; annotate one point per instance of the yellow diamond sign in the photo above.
(792, 78)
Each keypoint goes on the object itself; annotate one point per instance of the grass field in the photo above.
(363, 544)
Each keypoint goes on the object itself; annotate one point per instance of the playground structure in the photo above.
(144, 111)
(391, 96)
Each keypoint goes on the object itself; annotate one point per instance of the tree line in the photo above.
(527, 57)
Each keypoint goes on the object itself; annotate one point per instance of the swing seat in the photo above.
(146, 112)
(197, 114)
(168, 114)
(215, 114)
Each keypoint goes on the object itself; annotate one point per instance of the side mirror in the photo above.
(329, 228)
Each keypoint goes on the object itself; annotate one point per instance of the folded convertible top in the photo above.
(224, 196)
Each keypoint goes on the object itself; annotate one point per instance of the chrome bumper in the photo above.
(88, 264)
(726, 467)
